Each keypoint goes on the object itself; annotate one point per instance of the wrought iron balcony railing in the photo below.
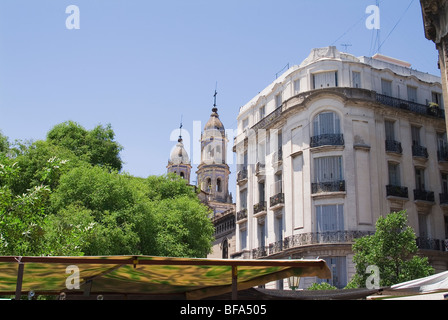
(276, 199)
(419, 151)
(410, 106)
(330, 186)
(397, 191)
(432, 244)
(328, 139)
(241, 215)
(394, 146)
(241, 175)
(259, 207)
(424, 195)
(260, 252)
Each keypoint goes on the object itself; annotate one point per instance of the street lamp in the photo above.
(293, 281)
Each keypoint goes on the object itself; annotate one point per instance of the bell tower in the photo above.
(213, 171)
(179, 162)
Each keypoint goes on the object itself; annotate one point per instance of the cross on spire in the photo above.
(215, 109)
(180, 130)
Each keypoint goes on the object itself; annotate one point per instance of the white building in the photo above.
(331, 145)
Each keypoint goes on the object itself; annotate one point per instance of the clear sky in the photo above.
(141, 64)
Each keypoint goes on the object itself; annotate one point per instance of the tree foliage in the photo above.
(393, 250)
(65, 196)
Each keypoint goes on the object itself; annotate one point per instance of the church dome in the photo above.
(179, 155)
(214, 123)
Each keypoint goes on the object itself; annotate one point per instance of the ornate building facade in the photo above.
(330, 146)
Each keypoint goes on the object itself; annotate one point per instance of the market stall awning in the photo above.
(145, 275)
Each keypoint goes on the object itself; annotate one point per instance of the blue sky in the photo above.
(140, 64)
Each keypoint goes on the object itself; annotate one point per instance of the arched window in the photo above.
(209, 185)
(182, 175)
(218, 185)
(326, 122)
(225, 249)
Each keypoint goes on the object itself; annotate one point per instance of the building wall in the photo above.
(365, 163)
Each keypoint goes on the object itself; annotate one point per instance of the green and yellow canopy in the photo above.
(145, 275)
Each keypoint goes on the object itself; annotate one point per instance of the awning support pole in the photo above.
(234, 283)
(19, 280)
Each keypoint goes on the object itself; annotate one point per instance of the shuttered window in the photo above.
(390, 132)
(356, 78)
(330, 218)
(394, 174)
(412, 94)
(326, 123)
(386, 87)
(328, 169)
(325, 79)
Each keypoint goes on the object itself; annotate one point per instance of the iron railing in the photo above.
(410, 106)
(397, 191)
(420, 194)
(276, 199)
(432, 244)
(328, 139)
(419, 151)
(241, 215)
(259, 207)
(329, 186)
(394, 146)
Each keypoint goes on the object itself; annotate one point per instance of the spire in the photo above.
(180, 130)
(215, 109)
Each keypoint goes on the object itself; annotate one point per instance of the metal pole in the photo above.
(19, 280)
(234, 283)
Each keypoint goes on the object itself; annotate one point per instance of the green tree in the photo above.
(4, 143)
(393, 250)
(96, 146)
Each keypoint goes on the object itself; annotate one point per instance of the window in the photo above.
(245, 123)
(326, 123)
(356, 78)
(328, 169)
(243, 239)
(394, 174)
(412, 94)
(243, 199)
(261, 234)
(437, 98)
(218, 185)
(444, 183)
(386, 87)
(330, 218)
(390, 131)
(325, 79)
(225, 249)
(422, 225)
(261, 113)
(338, 269)
(415, 134)
(278, 100)
(261, 189)
(296, 86)
(419, 179)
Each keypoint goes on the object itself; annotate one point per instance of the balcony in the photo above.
(314, 238)
(260, 207)
(260, 169)
(241, 176)
(419, 151)
(410, 106)
(241, 215)
(397, 191)
(329, 186)
(394, 146)
(277, 199)
(423, 195)
(432, 244)
(328, 139)
(260, 252)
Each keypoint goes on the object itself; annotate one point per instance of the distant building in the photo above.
(329, 147)
(213, 182)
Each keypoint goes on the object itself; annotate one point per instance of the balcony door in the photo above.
(326, 123)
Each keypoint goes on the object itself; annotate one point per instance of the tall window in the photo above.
(326, 122)
(386, 87)
(330, 218)
(325, 79)
(437, 98)
(243, 239)
(218, 185)
(356, 78)
(422, 225)
(261, 191)
(261, 234)
(278, 100)
(296, 86)
(243, 199)
(328, 169)
(412, 94)
(261, 113)
(419, 179)
(338, 269)
(415, 134)
(444, 177)
(394, 174)
(390, 131)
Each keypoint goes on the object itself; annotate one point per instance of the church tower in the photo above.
(213, 171)
(179, 162)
